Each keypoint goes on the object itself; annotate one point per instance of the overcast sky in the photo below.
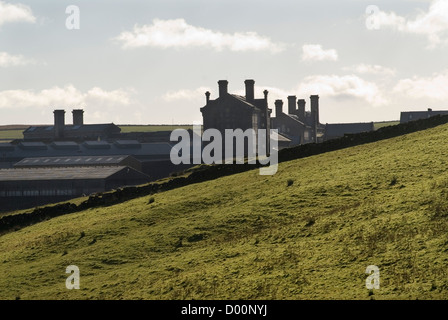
(150, 62)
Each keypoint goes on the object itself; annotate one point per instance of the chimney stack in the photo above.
(315, 108)
(78, 117)
(301, 109)
(292, 104)
(59, 123)
(250, 95)
(314, 115)
(222, 88)
(207, 97)
(278, 107)
(265, 92)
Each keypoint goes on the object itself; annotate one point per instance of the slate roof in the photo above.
(406, 116)
(72, 161)
(78, 128)
(87, 148)
(66, 173)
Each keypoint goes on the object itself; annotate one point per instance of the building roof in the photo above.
(406, 116)
(281, 137)
(294, 117)
(72, 161)
(87, 148)
(66, 173)
(241, 100)
(77, 128)
(339, 129)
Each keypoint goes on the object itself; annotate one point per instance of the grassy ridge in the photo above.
(308, 232)
(11, 134)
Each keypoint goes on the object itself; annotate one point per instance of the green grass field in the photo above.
(8, 134)
(377, 125)
(307, 232)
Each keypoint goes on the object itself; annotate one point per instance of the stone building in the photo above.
(299, 125)
(231, 111)
(407, 116)
(78, 131)
(338, 130)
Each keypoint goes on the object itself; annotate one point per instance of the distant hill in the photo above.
(11, 132)
(307, 232)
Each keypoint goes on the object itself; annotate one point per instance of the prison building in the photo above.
(232, 111)
(28, 187)
(77, 131)
(406, 116)
(338, 130)
(80, 161)
(154, 158)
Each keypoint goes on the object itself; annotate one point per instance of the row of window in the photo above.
(42, 192)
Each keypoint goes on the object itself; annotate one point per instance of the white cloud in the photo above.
(8, 60)
(178, 34)
(433, 87)
(65, 97)
(186, 94)
(15, 13)
(348, 86)
(315, 52)
(371, 69)
(433, 23)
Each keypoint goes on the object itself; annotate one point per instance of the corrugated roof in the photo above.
(97, 144)
(33, 145)
(72, 161)
(6, 147)
(90, 148)
(69, 173)
(64, 145)
(128, 144)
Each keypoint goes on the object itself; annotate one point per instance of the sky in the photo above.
(150, 62)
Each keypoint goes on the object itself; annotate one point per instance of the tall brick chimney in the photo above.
(78, 117)
(59, 123)
(278, 107)
(207, 97)
(223, 88)
(301, 109)
(250, 89)
(292, 104)
(314, 115)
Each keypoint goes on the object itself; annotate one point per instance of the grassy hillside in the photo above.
(10, 134)
(307, 232)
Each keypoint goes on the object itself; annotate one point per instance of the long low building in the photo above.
(154, 157)
(28, 187)
(80, 161)
(338, 130)
(407, 116)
